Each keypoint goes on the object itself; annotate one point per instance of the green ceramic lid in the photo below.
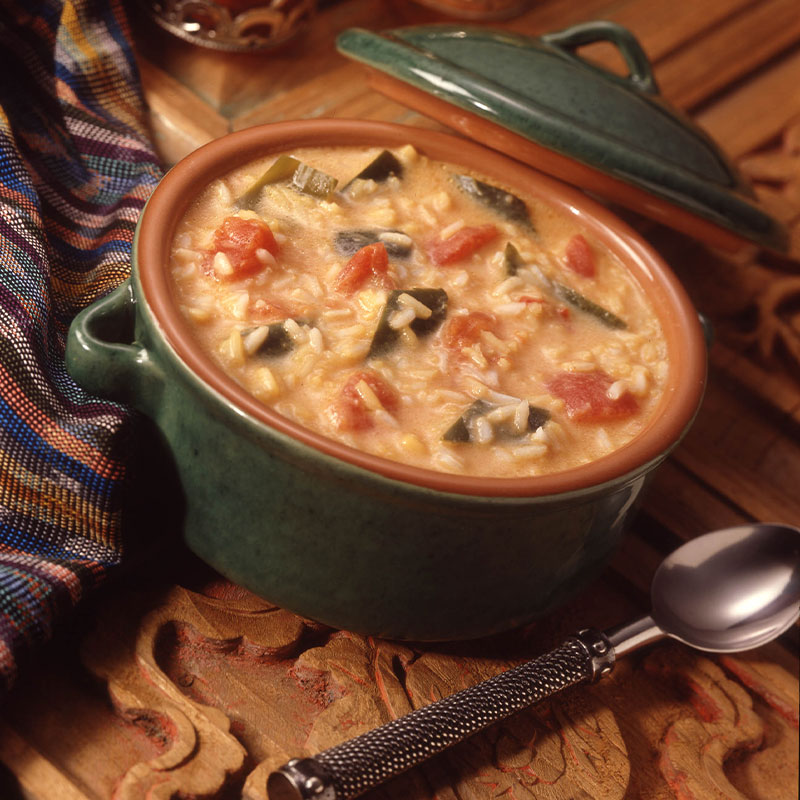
(539, 101)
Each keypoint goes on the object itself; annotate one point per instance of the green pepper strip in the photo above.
(282, 169)
(576, 299)
(303, 178)
(513, 262)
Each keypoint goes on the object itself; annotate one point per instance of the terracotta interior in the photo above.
(679, 319)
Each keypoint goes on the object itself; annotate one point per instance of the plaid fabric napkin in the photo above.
(76, 168)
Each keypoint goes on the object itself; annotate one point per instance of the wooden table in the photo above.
(177, 684)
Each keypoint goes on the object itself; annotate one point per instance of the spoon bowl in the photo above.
(730, 590)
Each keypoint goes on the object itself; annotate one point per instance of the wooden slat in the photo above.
(663, 26)
(318, 97)
(741, 45)
(754, 114)
(774, 388)
(36, 775)
(180, 120)
(741, 453)
(373, 106)
(686, 506)
(697, 49)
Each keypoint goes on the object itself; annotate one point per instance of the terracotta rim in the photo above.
(686, 346)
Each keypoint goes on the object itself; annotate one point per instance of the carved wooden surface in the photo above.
(211, 688)
(180, 685)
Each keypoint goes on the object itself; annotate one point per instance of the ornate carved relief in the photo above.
(230, 688)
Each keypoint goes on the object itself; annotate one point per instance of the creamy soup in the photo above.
(420, 312)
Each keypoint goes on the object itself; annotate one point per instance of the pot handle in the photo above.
(641, 71)
(104, 358)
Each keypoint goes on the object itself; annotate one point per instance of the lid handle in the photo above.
(641, 71)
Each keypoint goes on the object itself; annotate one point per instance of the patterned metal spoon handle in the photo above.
(353, 767)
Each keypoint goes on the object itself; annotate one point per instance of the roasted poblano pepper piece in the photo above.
(577, 300)
(459, 431)
(512, 260)
(386, 337)
(302, 177)
(381, 168)
(397, 243)
(499, 200)
(277, 341)
(281, 169)
(314, 182)
(513, 263)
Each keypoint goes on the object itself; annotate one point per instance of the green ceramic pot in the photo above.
(344, 537)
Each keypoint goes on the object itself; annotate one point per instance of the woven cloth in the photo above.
(76, 167)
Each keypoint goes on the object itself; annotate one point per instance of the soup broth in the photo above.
(419, 312)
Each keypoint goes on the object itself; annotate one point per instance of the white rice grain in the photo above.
(400, 319)
(265, 257)
(421, 311)
(507, 286)
(407, 155)
(530, 451)
(222, 264)
(184, 255)
(510, 309)
(252, 340)
(521, 414)
(235, 348)
(396, 238)
(441, 201)
(482, 431)
(240, 304)
(603, 440)
(353, 332)
(294, 330)
(366, 393)
(266, 384)
(315, 340)
(451, 229)
(578, 366)
(447, 461)
(501, 413)
(336, 314)
(617, 389)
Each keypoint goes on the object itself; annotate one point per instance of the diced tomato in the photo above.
(263, 310)
(465, 329)
(370, 263)
(350, 413)
(240, 240)
(461, 244)
(561, 311)
(388, 397)
(580, 256)
(586, 397)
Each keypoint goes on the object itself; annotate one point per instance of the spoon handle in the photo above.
(351, 768)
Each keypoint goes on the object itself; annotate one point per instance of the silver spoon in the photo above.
(723, 592)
